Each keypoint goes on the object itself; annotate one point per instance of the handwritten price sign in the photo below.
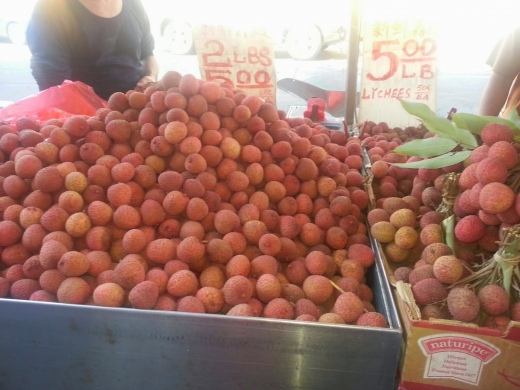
(242, 58)
(399, 61)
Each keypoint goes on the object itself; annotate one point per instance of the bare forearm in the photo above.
(495, 95)
(151, 67)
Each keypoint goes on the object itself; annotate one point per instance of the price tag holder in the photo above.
(243, 58)
(399, 61)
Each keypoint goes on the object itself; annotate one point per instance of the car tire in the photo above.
(15, 33)
(178, 38)
(304, 43)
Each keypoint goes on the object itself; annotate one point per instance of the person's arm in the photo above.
(505, 64)
(150, 72)
(150, 64)
(495, 95)
(50, 62)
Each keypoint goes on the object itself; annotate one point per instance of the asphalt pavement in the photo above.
(457, 88)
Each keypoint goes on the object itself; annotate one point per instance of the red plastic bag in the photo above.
(62, 101)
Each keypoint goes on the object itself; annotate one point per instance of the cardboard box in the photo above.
(442, 355)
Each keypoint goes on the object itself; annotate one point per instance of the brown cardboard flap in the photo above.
(367, 184)
(404, 292)
(452, 323)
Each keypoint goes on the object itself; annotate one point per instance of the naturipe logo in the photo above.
(457, 357)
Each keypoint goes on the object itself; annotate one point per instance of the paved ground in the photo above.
(456, 88)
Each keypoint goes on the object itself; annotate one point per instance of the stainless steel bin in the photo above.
(51, 346)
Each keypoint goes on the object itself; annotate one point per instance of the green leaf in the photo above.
(420, 110)
(471, 122)
(464, 137)
(438, 162)
(427, 147)
(440, 126)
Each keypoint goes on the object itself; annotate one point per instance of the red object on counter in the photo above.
(315, 109)
(62, 101)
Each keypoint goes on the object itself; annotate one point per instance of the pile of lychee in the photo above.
(407, 224)
(487, 203)
(371, 133)
(190, 196)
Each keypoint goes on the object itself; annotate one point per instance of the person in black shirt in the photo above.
(106, 44)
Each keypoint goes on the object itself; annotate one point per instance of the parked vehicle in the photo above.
(300, 31)
(14, 19)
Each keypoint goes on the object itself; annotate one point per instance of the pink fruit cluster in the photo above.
(190, 196)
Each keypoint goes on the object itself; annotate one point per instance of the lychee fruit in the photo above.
(494, 300)
(470, 229)
(317, 289)
(429, 291)
(73, 290)
(279, 308)
(463, 304)
(109, 295)
(190, 304)
(372, 319)
(237, 290)
(144, 295)
(448, 269)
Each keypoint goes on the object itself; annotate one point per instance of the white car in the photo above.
(301, 28)
(14, 19)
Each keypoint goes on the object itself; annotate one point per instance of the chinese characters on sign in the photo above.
(243, 59)
(399, 61)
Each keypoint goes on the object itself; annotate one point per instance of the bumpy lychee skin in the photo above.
(190, 250)
(421, 273)
(402, 273)
(24, 288)
(429, 291)
(279, 308)
(242, 310)
(435, 311)
(129, 272)
(331, 318)
(211, 298)
(73, 290)
(306, 306)
(495, 198)
(306, 318)
(190, 304)
(144, 295)
(4, 287)
(109, 295)
(237, 290)
(463, 304)
(500, 322)
(10, 233)
(470, 229)
(372, 319)
(433, 251)
(495, 132)
(494, 300)
(348, 306)
(448, 269)
(317, 289)
(383, 231)
(182, 283)
(505, 152)
(268, 288)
